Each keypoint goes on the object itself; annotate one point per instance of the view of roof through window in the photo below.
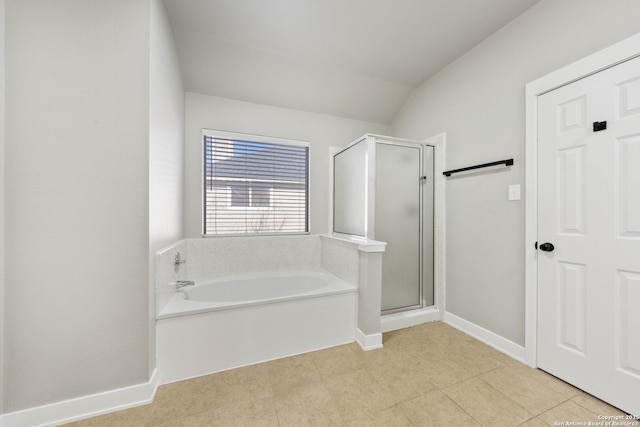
(253, 187)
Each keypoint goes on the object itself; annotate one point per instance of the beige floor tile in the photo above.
(441, 371)
(438, 332)
(293, 372)
(355, 347)
(358, 395)
(534, 422)
(394, 341)
(388, 338)
(391, 417)
(565, 390)
(375, 357)
(393, 386)
(470, 358)
(492, 352)
(405, 381)
(250, 382)
(256, 413)
(403, 346)
(531, 395)
(596, 405)
(436, 409)
(310, 405)
(568, 412)
(487, 405)
(242, 384)
(181, 399)
(430, 354)
(336, 361)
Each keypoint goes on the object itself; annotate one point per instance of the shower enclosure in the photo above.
(383, 190)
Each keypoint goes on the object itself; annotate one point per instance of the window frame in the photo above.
(257, 139)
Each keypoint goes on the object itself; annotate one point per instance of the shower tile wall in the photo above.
(227, 256)
(340, 258)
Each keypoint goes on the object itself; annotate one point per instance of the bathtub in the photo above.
(253, 289)
(225, 323)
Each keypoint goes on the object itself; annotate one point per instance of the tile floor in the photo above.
(427, 375)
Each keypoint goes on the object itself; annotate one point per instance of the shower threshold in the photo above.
(407, 318)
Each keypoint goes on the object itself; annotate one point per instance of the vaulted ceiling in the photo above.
(359, 59)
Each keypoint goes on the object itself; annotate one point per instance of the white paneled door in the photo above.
(589, 234)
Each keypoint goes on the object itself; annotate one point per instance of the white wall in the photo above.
(76, 198)
(166, 150)
(479, 101)
(321, 131)
(1, 198)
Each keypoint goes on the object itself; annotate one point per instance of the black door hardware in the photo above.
(598, 126)
(547, 247)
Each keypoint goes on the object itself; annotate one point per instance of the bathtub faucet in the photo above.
(177, 262)
(182, 283)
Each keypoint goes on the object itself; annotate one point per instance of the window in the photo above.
(254, 185)
(256, 196)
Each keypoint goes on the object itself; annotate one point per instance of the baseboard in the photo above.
(368, 342)
(491, 339)
(405, 319)
(84, 407)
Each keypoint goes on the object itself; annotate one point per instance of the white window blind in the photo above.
(254, 187)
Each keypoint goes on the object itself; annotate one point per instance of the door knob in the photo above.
(547, 247)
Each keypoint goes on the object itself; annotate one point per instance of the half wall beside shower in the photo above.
(383, 190)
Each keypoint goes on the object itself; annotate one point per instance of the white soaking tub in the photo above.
(229, 322)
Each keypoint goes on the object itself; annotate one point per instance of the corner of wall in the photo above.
(1, 204)
(439, 142)
(166, 154)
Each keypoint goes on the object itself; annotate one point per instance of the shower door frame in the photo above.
(371, 227)
(437, 143)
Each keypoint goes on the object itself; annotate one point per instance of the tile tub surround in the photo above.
(165, 273)
(427, 375)
(215, 257)
(340, 258)
(227, 256)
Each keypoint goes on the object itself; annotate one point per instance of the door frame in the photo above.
(420, 148)
(613, 55)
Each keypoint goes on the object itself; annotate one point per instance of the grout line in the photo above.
(507, 397)
(461, 408)
(535, 416)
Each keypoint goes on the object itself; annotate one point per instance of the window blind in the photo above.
(255, 187)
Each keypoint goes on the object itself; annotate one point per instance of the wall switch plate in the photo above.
(514, 192)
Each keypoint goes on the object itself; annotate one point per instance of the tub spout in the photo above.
(182, 283)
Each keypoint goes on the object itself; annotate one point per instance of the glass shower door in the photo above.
(398, 222)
